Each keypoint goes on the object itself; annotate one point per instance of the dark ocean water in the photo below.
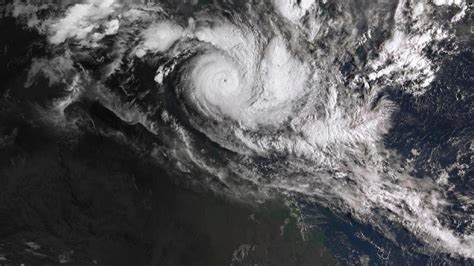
(85, 199)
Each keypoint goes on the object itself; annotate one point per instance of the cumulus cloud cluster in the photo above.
(159, 37)
(82, 19)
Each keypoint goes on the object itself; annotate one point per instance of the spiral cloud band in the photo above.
(216, 86)
(224, 81)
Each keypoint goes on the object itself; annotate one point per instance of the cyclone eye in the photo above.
(215, 86)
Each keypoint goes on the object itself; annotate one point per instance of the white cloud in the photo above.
(159, 37)
(81, 20)
(55, 70)
(292, 10)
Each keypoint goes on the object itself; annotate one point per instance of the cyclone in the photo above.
(304, 102)
(244, 78)
(216, 88)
